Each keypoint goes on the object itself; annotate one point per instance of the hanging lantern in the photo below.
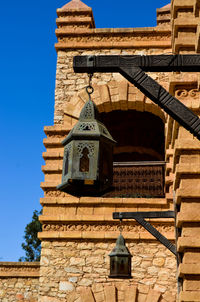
(120, 260)
(88, 154)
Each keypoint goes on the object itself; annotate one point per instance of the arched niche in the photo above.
(139, 135)
(137, 124)
(138, 168)
(113, 96)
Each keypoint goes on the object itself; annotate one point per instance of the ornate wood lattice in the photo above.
(138, 179)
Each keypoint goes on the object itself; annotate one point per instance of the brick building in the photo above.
(79, 232)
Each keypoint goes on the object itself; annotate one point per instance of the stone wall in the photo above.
(19, 281)
(70, 266)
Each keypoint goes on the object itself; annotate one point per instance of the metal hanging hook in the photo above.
(120, 227)
(89, 88)
(90, 75)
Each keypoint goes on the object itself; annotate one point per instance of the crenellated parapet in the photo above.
(185, 26)
(164, 16)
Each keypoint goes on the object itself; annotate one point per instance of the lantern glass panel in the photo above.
(66, 163)
(84, 161)
(120, 267)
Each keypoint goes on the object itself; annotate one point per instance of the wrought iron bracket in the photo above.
(139, 217)
(133, 68)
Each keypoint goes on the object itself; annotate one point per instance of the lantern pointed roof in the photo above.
(89, 112)
(89, 125)
(75, 4)
(120, 249)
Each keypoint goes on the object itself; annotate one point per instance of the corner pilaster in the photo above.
(186, 156)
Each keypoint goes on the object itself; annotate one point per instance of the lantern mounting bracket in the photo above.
(139, 217)
(133, 68)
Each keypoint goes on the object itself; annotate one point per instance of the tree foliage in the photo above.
(32, 245)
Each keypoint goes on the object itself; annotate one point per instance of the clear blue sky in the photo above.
(27, 82)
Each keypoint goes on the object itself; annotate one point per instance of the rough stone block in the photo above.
(66, 286)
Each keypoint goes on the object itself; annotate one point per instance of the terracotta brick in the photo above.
(110, 293)
(90, 200)
(131, 235)
(190, 231)
(93, 235)
(85, 210)
(169, 297)
(113, 200)
(192, 284)
(189, 296)
(104, 93)
(143, 288)
(123, 91)
(123, 106)
(130, 294)
(87, 296)
(187, 217)
(153, 296)
(117, 45)
(141, 297)
(187, 242)
(107, 107)
(99, 297)
(103, 210)
(188, 269)
(190, 206)
(192, 257)
(139, 106)
(195, 104)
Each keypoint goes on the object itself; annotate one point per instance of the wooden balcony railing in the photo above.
(138, 179)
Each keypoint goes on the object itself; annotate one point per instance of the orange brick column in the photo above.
(186, 159)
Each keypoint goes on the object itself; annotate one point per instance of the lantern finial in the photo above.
(90, 110)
